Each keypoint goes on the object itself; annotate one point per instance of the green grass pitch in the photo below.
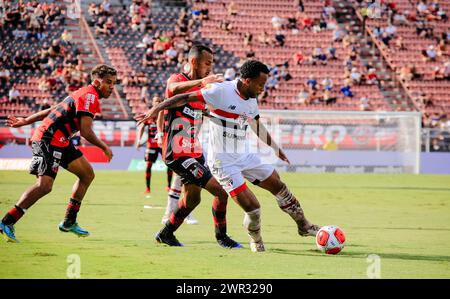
(404, 219)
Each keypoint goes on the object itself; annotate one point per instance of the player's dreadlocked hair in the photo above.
(252, 68)
(197, 50)
(102, 70)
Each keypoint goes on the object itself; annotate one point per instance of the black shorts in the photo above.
(191, 170)
(151, 154)
(47, 158)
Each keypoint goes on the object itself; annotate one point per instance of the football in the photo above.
(330, 239)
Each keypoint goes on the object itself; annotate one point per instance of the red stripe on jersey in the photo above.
(225, 113)
(200, 96)
(238, 190)
(69, 130)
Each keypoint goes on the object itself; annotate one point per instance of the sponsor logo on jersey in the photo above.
(232, 107)
(195, 114)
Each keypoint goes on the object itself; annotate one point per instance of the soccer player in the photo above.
(52, 148)
(183, 154)
(153, 149)
(233, 107)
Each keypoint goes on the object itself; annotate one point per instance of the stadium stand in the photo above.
(324, 55)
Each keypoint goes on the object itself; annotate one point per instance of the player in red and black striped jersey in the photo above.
(152, 150)
(183, 154)
(52, 148)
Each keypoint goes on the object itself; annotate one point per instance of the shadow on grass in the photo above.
(359, 255)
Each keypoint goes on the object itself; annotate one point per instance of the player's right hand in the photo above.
(217, 78)
(15, 122)
(142, 118)
(108, 153)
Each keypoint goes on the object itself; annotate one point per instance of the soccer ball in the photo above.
(330, 239)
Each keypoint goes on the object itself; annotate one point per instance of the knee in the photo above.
(45, 187)
(88, 177)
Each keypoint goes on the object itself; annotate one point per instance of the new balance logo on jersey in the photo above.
(196, 114)
(232, 107)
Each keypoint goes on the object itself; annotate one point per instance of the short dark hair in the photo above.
(197, 49)
(252, 68)
(103, 70)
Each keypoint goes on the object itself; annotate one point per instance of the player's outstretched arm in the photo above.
(141, 128)
(16, 122)
(181, 87)
(264, 135)
(173, 102)
(88, 134)
(160, 128)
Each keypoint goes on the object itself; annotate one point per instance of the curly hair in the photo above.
(252, 68)
(103, 70)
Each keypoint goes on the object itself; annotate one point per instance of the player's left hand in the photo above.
(15, 122)
(283, 156)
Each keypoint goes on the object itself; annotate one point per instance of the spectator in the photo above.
(405, 73)
(148, 59)
(277, 23)
(327, 99)
(14, 94)
(171, 55)
(327, 84)
(204, 13)
(5, 75)
(303, 96)
(365, 104)
(279, 38)
(298, 58)
(429, 54)
(285, 75)
(230, 74)
(331, 51)
(233, 9)
(318, 57)
(346, 89)
(355, 76)
(248, 37)
(272, 83)
(398, 44)
(437, 145)
(338, 34)
(45, 105)
(56, 49)
(400, 19)
(300, 5)
(264, 38)
(306, 22)
(371, 77)
(311, 83)
(226, 26)
(18, 62)
(66, 37)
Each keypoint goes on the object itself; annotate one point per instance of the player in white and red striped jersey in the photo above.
(233, 107)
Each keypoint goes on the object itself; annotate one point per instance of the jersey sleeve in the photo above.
(87, 104)
(211, 94)
(173, 79)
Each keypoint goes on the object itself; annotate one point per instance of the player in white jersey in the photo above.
(233, 107)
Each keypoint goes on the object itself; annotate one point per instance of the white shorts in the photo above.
(231, 176)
